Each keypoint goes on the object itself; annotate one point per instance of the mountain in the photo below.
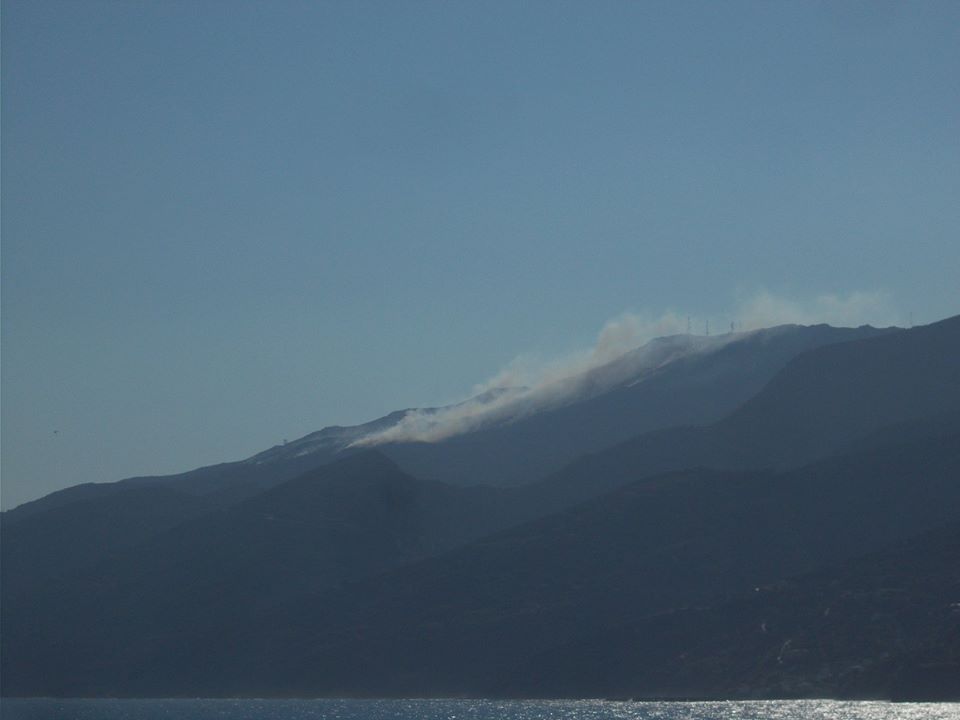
(359, 578)
(40, 547)
(824, 401)
(476, 620)
(669, 380)
(252, 619)
(886, 625)
(213, 575)
(673, 381)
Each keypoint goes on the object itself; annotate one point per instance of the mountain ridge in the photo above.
(358, 577)
(233, 480)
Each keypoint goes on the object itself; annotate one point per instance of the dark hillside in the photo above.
(825, 401)
(449, 625)
(882, 626)
(64, 539)
(355, 579)
(209, 578)
(229, 623)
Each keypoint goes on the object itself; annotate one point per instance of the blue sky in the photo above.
(229, 223)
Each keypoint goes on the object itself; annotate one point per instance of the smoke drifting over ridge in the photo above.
(526, 386)
(765, 309)
(627, 347)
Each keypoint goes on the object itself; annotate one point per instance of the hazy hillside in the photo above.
(161, 584)
(886, 625)
(824, 401)
(681, 379)
(359, 579)
(250, 620)
(672, 381)
(452, 624)
(637, 393)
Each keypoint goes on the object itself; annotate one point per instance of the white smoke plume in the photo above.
(620, 354)
(526, 385)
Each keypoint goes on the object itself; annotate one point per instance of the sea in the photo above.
(44, 709)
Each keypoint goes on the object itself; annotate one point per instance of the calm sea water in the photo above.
(468, 710)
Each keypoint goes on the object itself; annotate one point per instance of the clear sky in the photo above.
(229, 223)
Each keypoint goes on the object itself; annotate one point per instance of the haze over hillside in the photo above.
(514, 435)
(263, 578)
(479, 349)
(226, 228)
(624, 351)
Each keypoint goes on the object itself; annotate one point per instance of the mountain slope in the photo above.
(886, 625)
(669, 382)
(320, 584)
(210, 578)
(823, 402)
(453, 624)
(57, 543)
